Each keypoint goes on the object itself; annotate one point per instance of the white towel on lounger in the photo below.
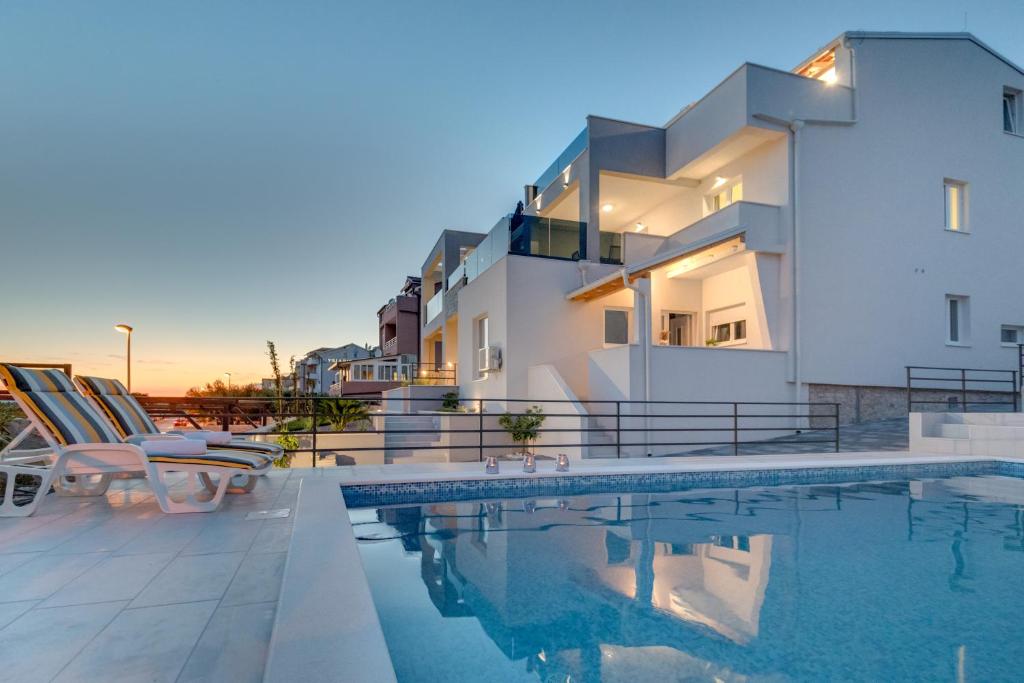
(174, 447)
(211, 438)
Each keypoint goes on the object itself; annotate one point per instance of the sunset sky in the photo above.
(218, 174)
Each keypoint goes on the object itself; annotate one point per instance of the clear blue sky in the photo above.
(222, 173)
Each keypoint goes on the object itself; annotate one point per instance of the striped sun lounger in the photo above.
(87, 448)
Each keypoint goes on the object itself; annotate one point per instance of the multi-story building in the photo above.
(445, 271)
(313, 373)
(398, 322)
(791, 235)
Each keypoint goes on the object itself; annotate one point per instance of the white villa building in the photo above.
(791, 236)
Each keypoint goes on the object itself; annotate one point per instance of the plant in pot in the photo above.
(450, 402)
(523, 427)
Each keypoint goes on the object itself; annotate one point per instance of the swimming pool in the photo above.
(912, 579)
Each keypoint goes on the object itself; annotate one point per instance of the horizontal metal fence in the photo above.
(938, 389)
(371, 429)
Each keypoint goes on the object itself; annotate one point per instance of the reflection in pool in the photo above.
(919, 580)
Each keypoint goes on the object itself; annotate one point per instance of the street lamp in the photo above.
(127, 330)
(228, 375)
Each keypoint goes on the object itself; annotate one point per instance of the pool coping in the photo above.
(327, 627)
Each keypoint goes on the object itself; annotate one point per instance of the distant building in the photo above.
(313, 371)
(398, 322)
(269, 384)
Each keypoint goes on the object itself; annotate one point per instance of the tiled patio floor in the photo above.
(113, 589)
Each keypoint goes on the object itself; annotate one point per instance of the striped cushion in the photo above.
(51, 397)
(271, 450)
(124, 411)
(234, 458)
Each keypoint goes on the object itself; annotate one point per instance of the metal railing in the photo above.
(452, 429)
(962, 389)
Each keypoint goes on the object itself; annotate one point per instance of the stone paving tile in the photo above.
(196, 577)
(45, 575)
(115, 578)
(233, 647)
(41, 642)
(169, 534)
(147, 644)
(223, 535)
(14, 560)
(274, 537)
(9, 611)
(258, 579)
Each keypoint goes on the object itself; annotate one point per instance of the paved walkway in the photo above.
(883, 435)
(113, 589)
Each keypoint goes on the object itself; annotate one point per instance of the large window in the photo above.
(676, 329)
(1011, 110)
(956, 205)
(958, 327)
(616, 326)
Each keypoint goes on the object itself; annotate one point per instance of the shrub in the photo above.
(524, 427)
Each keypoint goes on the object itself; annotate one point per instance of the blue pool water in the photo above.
(903, 580)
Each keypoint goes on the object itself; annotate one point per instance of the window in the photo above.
(956, 205)
(1011, 110)
(482, 334)
(735, 331)
(1011, 335)
(957, 320)
(616, 326)
(725, 197)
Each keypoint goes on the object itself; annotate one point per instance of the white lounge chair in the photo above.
(132, 422)
(87, 451)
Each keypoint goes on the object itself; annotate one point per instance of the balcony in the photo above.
(434, 307)
(759, 223)
(549, 238)
(730, 120)
(390, 347)
(574, 149)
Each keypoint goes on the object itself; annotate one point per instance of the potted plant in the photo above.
(524, 427)
(450, 402)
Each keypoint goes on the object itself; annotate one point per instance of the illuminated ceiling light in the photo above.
(641, 226)
(607, 208)
(829, 77)
(719, 181)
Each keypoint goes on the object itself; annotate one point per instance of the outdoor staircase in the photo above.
(977, 434)
(415, 447)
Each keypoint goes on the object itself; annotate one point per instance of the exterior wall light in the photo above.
(607, 208)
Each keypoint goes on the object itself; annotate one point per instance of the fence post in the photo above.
(313, 399)
(480, 413)
(225, 418)
(1016, 393)
(837, 427)
(910, 401)
(963, 390)
(618, 429)
(735, 428)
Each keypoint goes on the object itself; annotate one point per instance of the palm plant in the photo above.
(342, 412)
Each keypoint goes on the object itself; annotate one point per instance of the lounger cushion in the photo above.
(52, 398)
(121, 407)
(131, 419)
(217, 457)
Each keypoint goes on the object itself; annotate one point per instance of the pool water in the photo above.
(905, 580)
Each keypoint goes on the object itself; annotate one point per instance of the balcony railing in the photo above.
(549, 237)
(406, 373)
(390, 346)
(611, 247)
(458, 274)
(574, 149)
(434, 307)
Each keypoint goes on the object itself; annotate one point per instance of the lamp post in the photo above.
(228, 375)
(127, 330)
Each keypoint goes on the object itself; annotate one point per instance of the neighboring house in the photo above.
(456, 257)
(269, 384)
(792, 235)
(398, 322)
(313, 371)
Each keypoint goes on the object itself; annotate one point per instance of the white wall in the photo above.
(875, 260)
